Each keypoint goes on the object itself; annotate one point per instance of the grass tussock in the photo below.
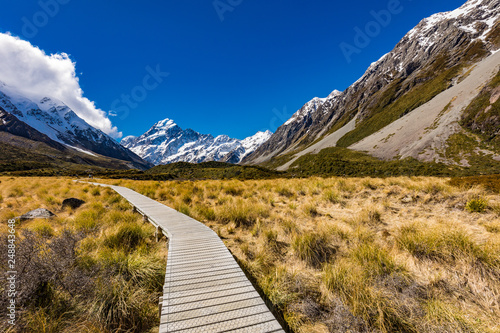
(476, 205)
(447, 243)
(314, 248)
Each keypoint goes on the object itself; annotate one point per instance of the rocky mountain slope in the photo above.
(60, 124)
(24, 148)
(10, 124)
(438, 54)
(166, 142)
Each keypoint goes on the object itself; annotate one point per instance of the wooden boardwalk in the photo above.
(205, 289)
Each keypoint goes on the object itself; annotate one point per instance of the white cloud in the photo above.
(36, 75)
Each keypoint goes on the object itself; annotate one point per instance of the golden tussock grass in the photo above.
(96, 268)
(360, 254)
(354, 255)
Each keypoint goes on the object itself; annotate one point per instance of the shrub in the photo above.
(476, 205)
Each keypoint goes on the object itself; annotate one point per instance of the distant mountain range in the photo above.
(434, 97)
(49, 131)
(165, 142)
(54, 124)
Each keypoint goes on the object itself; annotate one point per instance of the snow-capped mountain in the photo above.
(311, 107)
(166, 142)
(57, 121)
(437, 54)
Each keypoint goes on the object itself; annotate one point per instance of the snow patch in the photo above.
(82, 150)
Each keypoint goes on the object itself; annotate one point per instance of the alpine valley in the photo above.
(433, 98)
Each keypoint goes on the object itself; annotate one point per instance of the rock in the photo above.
(73, 203)
(40, 213)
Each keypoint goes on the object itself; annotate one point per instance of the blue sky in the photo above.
(249, 71)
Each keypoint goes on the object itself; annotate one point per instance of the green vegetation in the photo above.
(30, 158)
(482, 117)
(179, 170)
(491, 182)
(345, 162)
(466, 148)
(213, 170)
(277, 161)
(476, 205)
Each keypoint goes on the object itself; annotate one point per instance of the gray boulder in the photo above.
(40, 213)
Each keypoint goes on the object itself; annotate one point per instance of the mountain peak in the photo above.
(165, 123)
(334, 93)
(166, 142)
(466, 18)
(61, 124)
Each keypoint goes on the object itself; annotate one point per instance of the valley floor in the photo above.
(332, 254)
(357, 255)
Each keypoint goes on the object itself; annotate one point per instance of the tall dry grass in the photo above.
(96, 268)
(357, 255)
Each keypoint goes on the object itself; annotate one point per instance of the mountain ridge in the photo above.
(165, 142)
(58, 122)
(426, 61)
